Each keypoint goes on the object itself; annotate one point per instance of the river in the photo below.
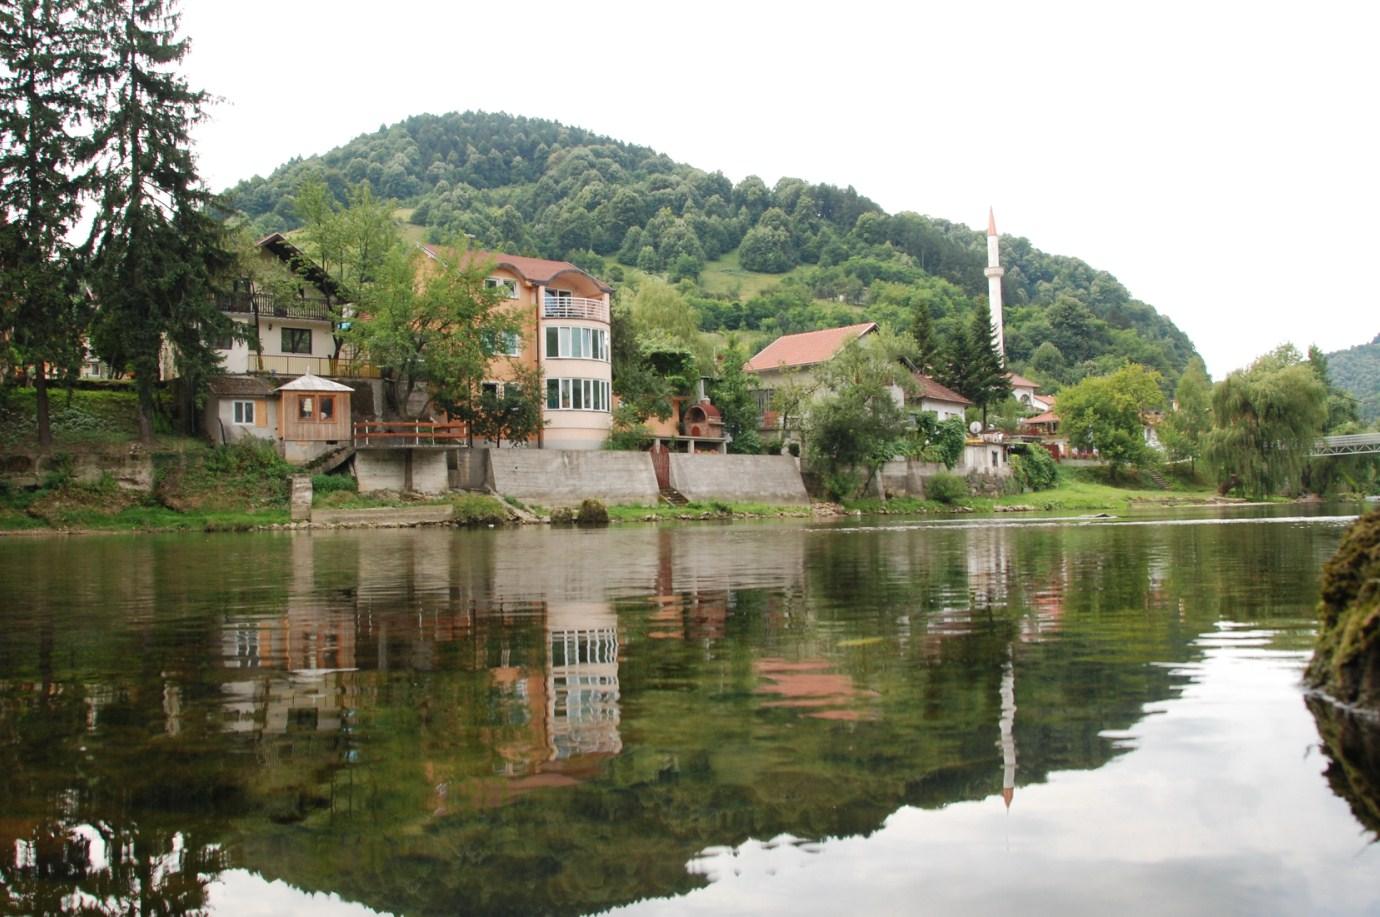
(968, 715)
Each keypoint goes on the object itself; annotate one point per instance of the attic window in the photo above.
(506, 285)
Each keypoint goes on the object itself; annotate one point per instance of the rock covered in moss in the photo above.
(1346, 661)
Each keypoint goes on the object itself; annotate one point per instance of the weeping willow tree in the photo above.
(1266, 420)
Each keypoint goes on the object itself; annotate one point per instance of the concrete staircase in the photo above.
(330, 461)
(1158, 479)
(673, 497)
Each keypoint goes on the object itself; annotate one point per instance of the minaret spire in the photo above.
(994, 273)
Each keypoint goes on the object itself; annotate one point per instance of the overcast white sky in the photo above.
(1218, 158)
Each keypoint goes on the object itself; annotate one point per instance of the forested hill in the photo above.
(788, 258)
(1357, 370)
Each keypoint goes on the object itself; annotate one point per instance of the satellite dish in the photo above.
(975, 427)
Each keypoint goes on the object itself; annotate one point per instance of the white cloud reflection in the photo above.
(1220, 808)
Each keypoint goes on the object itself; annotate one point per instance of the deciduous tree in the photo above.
(1266, 420)
(1105, 413)
(860, 424)
(430, 323)
(1184, 430)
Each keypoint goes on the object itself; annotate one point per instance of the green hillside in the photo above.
(1357, 370)
(793, 257)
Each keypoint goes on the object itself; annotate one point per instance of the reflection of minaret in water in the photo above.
(1007, 723)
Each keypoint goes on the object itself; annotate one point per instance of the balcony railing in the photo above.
(575, 307)
(399, 433)
(292, 365)
(271, 306)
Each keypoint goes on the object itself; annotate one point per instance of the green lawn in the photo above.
(82, 419)
(726, 276)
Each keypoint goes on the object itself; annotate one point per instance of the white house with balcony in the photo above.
(294, 329)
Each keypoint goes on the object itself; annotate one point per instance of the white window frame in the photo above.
(576, 343)
(242, 413)
(580, 394)
(505, 283)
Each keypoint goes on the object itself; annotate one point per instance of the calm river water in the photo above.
(967, 716)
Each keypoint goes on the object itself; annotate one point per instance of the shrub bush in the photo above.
(1035, 469)
(839, 485)
(946, 488)
(333, 483)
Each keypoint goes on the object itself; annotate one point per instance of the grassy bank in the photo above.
(695, 511)
(1078, 490)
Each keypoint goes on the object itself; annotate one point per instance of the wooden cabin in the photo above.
(313, 416)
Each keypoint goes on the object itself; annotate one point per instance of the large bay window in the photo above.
(577, 395)
(577, 343)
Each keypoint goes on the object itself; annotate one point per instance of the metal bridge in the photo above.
(1355, 444)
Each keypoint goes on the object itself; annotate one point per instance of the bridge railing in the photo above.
(1348, 444)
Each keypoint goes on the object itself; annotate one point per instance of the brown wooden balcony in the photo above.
(408, 434)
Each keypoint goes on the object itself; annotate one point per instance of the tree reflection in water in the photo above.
(432, 721)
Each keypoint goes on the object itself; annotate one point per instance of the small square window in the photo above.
(327, 409)
(305, 408)
(243, 413)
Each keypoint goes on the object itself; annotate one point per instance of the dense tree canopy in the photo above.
(1357, 370)
(1267, 418)
(543, 188)
(1106, 413)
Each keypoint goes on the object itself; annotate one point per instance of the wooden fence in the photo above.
(404, 433)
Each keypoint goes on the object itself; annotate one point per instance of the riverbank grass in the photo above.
(1078, 490)
(698, 510)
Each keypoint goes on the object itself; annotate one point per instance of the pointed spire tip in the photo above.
(991, 222)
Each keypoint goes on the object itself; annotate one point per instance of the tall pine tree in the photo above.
(49, 49)
(927, 351)
(160, 252)
(988, 381)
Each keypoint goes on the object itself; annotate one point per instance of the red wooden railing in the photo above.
(401, 433)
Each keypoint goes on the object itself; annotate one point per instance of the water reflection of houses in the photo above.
(582, 680)
(292, 661)
(514, 636)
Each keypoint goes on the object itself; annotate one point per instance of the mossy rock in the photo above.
(592, 512)
(1346, 661)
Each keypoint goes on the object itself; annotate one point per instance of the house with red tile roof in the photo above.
(1027, 391)
(804, 350)
(792, 359)
(942, 400)
(563, 314)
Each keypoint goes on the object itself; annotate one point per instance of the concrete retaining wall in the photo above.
(906, 478)
(386, 469)
(740, 478)
(132, 470)
(471, 470)
(555, 477)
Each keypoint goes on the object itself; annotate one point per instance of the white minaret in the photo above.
(994, 273)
